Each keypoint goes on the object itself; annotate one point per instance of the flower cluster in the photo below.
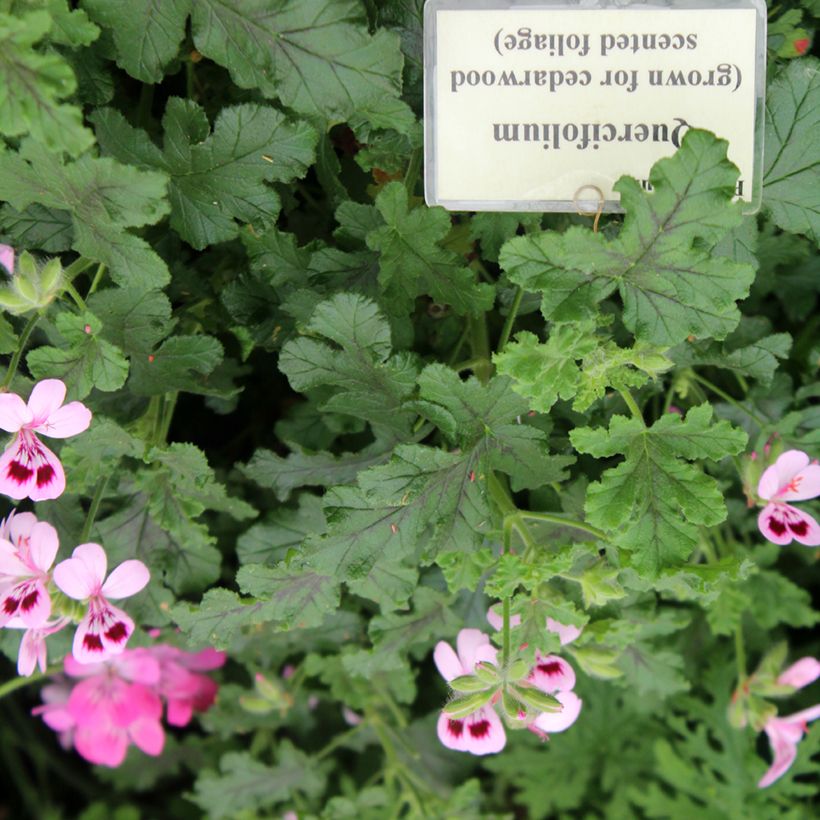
(539, 698)
(102, 708)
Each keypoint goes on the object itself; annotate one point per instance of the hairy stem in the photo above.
(553, 518)
(18, 683)
(412, 173)
(21, 345)
(740, 655)
(96, 500)
(480, 344)
(727, 398)
(510, 321)
(629, 399)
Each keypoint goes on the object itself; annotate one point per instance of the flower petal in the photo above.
(467, 643)
(45, 398)
(483, 732)
(88, 645)
(17, 477)
(126, 580)
(147, 736)
(74, 577)
(802, 717)
(13, 412)
(451, 732)
(29, 601)
(781, 523)
(20, 526)
(784, 751)
(117, 629)
(103, 744)
(552, 674)
(7, 258)
(11, 565)
(179, 712)
(49, 477)
(447, 662)
(204, 660)
(44, 545)
(567, 634)
(801, 673)
(32, 650)
(67, 421)
(559, 721)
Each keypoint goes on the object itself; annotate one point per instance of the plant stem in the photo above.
(18, 683)
(629, 399)
(480, 344)
(740, 655)
(727, 398)
(167, 416)
(98, 275)
(552, 518)
(96, 500)
(75, 295)
(510, 321)
(76, 268)
(339, 740)
(21, 345)
(412, 173)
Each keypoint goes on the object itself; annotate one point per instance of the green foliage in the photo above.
(335, 427)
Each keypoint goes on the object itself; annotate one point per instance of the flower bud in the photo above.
(487, 671)
(514, 710)
(536, 699)
(468, 683)
(256, 706)
(467, 704)
(518, 670)
(29, 288)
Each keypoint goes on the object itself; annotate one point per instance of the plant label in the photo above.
(542, 106)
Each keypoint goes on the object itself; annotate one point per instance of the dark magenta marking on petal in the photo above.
(480, 729)
(776, 526)
(10, 605)
(455, 727)
(19, 472)
(92, 642)
(30, 600)
(45, 475)
(117, 633)
(799, 528)
(550, 668)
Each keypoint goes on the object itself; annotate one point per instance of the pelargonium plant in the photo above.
(318, 502)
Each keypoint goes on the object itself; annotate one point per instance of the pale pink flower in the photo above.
(784, 734)
(28, 469)
(481, 732)
(33, 651)
(801, 673)
(565, 632)
(105, 629)
(559, 721)
(791, 478)
(54, 711)
(7, 258)
(25, 571)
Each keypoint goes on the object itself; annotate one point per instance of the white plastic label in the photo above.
(539, 106)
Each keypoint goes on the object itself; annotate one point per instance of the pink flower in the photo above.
(791, 478)
(7, 258)
(25, 570)
(33, 651)
(801, 673)
(105, 629)
(28, 469)
(481, 732)
(784, 734)
(55, 711)
(566, 634)
(180, 684)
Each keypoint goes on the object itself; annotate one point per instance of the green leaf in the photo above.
(316, 56)
(104, 198)
(671, 285)
(218, 178)
(134, 320)
(147, 33)
(32, 85)
(88, 361)
(492, 230)
(180, 363)
(412, 261)
(37, 228)
(654, 501)
(791, 179)
(354, 357)
(243, 784)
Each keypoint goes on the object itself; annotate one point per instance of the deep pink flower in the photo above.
(105, 629)
(25, 571)
(54, 711)
(791, 478)
(481, 732)
(28, 469)
(180, 684)
(566, 633)
(784, 734)
(7, 258)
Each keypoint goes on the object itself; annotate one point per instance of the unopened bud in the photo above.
(256, 706)
(469, 683)
(518, 670)
(538, 700)
(487, 671)
(514, 710)
(467, 704)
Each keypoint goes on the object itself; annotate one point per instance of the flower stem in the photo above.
(76, 268)
(96, 500)
(75, 295)
(510, 321)
(552, 518)
(727, 398)
(21, 344)
(480, 345)
(629, 399)
(413, 168)
(18, 683)
(740, 655)
(98, 275)
(339, 740)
